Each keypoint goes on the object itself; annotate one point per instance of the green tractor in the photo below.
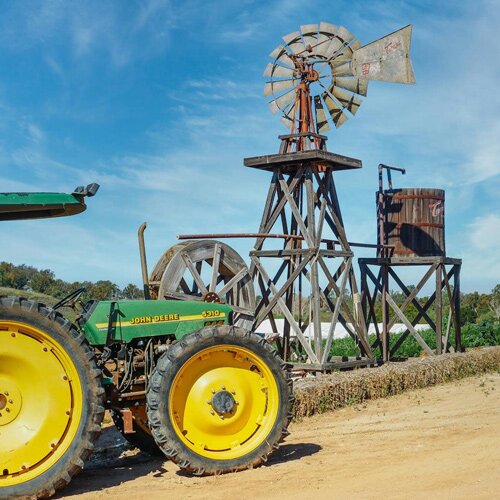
(178, 377)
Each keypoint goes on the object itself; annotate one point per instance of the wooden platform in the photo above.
(409, 261)
(289, 162)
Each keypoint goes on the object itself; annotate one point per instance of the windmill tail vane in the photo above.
(330, 57)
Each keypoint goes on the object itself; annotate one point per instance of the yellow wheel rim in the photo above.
(224, 402)
(40, 402)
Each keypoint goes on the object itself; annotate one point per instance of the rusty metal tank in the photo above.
(411, 221)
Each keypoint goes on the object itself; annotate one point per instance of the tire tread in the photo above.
(62, 475)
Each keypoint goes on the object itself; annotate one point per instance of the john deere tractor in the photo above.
(178, 377)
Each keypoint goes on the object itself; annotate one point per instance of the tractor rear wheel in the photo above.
(51, 400)
(141, 437)
(219, 401)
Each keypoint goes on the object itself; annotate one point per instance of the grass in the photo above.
(48, 300)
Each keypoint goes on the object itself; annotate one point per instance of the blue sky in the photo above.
(159, 101)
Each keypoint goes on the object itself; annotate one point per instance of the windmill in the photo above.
(317, 77)
(321, 73)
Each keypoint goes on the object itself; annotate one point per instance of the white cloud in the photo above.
(484, 161)
(122, 31)
(481, 256)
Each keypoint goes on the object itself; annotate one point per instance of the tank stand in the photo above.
(375, 292)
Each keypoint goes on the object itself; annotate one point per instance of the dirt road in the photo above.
(442, 442)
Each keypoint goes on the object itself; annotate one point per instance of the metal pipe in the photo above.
(381, 203)
(144, 264)
(269, 235)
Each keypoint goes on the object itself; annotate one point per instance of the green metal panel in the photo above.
(16, 206)
(135, 319)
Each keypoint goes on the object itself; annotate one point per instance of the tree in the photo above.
(494, 302)
(42, 281)
(132, 292)
(15, 276)
(103, 290)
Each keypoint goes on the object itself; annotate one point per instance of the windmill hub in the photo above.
(312, 75)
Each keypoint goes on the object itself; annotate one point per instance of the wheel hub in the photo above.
(10, 401)
(223, 402)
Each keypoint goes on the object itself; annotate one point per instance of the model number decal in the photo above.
(211, 314)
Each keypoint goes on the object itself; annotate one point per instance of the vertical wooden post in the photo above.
(364, 296)
(439, 308)
(385, 313)
(456, 293)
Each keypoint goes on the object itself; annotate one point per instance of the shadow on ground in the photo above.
(115, 461)
(290, 452)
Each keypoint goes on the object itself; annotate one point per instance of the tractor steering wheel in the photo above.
(71, 299)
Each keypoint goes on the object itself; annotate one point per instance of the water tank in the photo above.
(412, 222)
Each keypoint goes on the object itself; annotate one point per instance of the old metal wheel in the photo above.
(141, 437)
(51, 400)
(219, 401)
(206, 270)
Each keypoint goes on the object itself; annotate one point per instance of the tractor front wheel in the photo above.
(51, 400)
(219, 400)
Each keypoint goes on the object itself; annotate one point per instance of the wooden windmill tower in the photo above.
(302, 261)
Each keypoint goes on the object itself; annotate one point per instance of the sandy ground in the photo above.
(442, 442)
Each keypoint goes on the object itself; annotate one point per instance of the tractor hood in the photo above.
(107, 322)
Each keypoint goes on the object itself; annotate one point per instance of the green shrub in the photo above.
(487, 333)
(483, 334)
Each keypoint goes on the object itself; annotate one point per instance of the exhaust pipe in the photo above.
(144, 264)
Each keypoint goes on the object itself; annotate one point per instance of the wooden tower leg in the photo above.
(439, 308)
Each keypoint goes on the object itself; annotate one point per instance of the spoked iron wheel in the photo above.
(209, 271)
(51, 400)
(219, 401)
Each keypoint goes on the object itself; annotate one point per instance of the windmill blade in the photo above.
(309, 35)
(355, 45)
(280, 102)
(336, 113)
(328, 43)
(321, 121)
(348, 101)
(386, 59)
(344, 34)
(346, 52)
(327, 28)
(326, 36)
(273, 71)
(334, 47)
(343, 53)
(294, 41)
(352, 84)
(289, 117)
(280, 55)
(342, 69)
(278, 86)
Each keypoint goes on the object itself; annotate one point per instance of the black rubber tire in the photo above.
(83, 357)
(140, 438)
(159, 393)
